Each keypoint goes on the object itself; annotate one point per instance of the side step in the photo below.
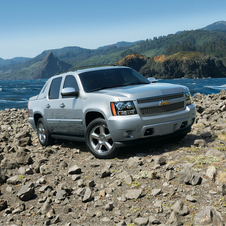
(68, 137)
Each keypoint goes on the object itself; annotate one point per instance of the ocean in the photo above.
(15, 94)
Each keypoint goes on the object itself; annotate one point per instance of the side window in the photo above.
(70, 81)
(55, 88)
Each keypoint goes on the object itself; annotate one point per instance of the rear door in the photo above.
(51, 111)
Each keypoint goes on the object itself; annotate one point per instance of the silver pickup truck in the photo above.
(109, 107)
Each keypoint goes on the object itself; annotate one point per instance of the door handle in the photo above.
(62, 105)
(47, 106)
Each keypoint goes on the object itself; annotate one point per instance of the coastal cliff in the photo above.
(179, 65)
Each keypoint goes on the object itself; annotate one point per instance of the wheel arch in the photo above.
(90, 116)
(37, 116)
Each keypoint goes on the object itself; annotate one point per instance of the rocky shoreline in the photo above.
(180, 182)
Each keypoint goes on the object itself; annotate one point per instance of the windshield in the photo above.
(110, 78)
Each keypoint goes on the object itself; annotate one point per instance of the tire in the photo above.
(98, 140)
(44, 136)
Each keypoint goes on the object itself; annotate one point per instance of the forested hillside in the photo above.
(204, 41)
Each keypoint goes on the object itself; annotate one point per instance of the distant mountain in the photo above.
(207, 41)
(50, 66)
(14, 60)
(121, 44)
(218, 26)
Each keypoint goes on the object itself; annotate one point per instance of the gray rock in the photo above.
(154, 220)
(156, 191)
(134, 162)
(128, 179)
(75, 177)
(105, 172)
(44, 169)
(142, 221)
(122, 175)
(180, 208)
(61, 195)
(211, 173)
(209, 216)
(161, 160)
(133, 193)
(9, 164)
(23, 157)
(174, 219)
(189, 176)
(26, 192)
(20, 207)
(109, 206)
(74, 170)
(87, 196)
(121, 223)
(13, 180)
(22, 135)
(46, 207)
(23, 142)
(44, 188)
(169, 175)
(80, 192)
(221, 188)
(190, 198)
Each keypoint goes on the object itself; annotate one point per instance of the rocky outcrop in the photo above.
(135, 61)
(167, 183)
(184, 65)
(50, 66)
(179, 65)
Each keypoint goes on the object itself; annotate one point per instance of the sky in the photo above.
(28, 27)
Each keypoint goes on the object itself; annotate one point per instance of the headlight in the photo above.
(188, 98)
(123, 108)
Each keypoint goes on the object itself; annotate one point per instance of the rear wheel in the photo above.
(44, 136)
(99, 140)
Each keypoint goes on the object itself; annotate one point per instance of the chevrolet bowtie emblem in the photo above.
(164, 102)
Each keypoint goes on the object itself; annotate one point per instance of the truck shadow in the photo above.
(147, 149)
(161, 147)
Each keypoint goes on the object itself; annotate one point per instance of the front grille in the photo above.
(159, 98)
(162, 109)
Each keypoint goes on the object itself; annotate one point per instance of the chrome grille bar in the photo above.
(159, 98)
(162, 109)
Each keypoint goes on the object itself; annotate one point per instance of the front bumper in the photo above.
(133, 127)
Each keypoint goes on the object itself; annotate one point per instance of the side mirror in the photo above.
(152, 80)
(69, 92)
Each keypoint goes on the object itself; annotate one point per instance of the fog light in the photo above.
(128, 134)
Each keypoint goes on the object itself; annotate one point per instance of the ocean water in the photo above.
(15, 94)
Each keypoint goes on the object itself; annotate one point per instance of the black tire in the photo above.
(44, 136)
(98, 140)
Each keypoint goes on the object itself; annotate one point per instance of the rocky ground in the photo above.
(168, 183)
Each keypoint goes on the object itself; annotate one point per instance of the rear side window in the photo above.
(70, 81)
(55, 88)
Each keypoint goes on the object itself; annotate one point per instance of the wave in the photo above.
(216, 87)
(0, 89)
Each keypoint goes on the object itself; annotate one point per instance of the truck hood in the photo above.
(145, 90)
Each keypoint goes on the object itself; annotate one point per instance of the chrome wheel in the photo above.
(41, 133)
(100, 139)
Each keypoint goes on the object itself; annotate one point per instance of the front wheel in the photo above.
(99, 140)
(44, 136)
